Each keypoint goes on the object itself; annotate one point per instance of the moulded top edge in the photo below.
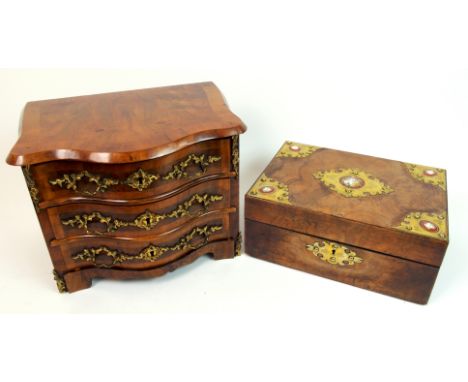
(123, 127)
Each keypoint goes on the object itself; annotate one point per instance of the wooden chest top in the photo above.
(123, 127)
(388, 206)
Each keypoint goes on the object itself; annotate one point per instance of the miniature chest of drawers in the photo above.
(132, 184)
(370, 222)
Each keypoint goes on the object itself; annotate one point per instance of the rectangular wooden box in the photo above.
(370, 222)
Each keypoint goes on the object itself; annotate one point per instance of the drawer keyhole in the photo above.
(333, 251)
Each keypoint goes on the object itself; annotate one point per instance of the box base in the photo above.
(393, 276)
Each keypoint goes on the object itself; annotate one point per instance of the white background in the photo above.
(384, 78)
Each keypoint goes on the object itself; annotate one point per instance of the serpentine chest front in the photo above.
(132, 184)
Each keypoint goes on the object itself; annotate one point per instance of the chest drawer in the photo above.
(62, 182)
(143, 252)
(92, 219)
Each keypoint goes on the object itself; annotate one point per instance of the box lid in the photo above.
(123, 127)
(387, 206)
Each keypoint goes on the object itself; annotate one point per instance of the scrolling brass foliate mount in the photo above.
(32, 188)
(139, 180)
(61, 286)
(150, 253)
(334, 253)
(147, 221)
(235, 154)
(238, 245)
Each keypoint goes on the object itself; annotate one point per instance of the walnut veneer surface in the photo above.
(342, 201)
(132, 184)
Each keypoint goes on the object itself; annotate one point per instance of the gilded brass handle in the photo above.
(151, 253)
(147, 220)
(139, 180)
(334, 253)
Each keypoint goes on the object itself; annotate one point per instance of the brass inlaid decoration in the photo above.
(334, 253)
(139, 180)
(147, 221)
(429, 175)
(61, 286)
(238, 248)
(353, 183)
(426, 224)
(235, 154)
(32, 188)
(150, 253)
(270, 189)
(296, 150)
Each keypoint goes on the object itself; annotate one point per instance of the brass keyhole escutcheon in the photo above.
(334, 253)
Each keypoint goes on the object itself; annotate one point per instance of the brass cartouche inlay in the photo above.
(426, 224)
(429, 175)
(270, 189)
(352, 182)
(296, 150)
